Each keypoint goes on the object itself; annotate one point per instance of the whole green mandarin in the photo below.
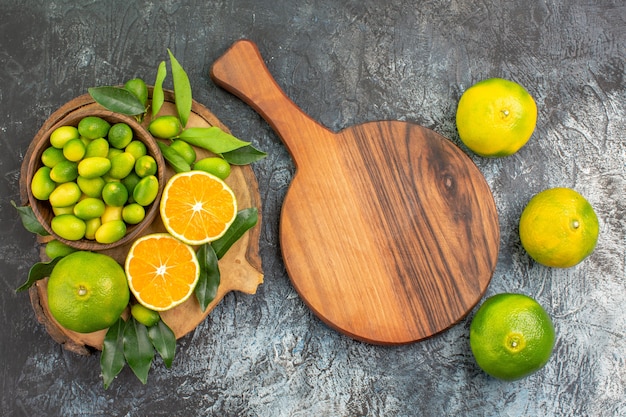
(74, 150)
(63, 134)
(42, 185)
(64, 171)
(120, 135)
(52, 156)
(68, 226)
(137, 149)
(93, 127)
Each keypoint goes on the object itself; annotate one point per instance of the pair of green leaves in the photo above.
(210, 253)
(213, 139)
(133, 343)
(120, 100)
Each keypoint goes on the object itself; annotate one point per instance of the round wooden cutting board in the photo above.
(240, 268)
(389, 231)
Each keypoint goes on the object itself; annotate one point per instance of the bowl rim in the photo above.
(69, 114)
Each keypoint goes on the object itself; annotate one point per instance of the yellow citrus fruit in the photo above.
(559, 228)
(197, 207)
(87, 291)
(511, 336)
(496, 117)
(162, 271)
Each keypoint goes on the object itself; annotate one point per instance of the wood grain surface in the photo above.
(388, 231)
(240, 268)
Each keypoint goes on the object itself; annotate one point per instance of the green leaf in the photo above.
(164, 341)
(244, 156)
(38, 271)
(118, 100)
(138, 349)
(209, 280)
(173, 158)
(158, 97)
(112, 358)
(29, 221)
(212, 139)
(182, 90)
(245, 220)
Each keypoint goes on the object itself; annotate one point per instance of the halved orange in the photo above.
(162, 271)
(197, 207)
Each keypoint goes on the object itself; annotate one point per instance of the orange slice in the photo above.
(197, 207)
(162, 271)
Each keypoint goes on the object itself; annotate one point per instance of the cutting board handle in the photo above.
(242, 72)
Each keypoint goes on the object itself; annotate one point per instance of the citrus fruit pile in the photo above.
(511, 335)
(97, 178)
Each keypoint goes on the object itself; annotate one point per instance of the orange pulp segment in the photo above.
(197, 207)
(162, 271)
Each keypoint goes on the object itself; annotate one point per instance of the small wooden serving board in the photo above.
(240, 268)
(389, 232)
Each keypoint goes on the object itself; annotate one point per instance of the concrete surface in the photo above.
(343, 62)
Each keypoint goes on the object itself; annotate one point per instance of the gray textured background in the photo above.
(342, 62)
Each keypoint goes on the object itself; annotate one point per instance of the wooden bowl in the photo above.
(69, 115)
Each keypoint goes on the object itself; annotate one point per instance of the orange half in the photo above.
(162, 271)
(197, 207)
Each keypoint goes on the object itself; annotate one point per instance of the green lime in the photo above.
(95, 166)
(63, 134)
(115, 194)
(52, 156)
(74, 150)
(146, 190)
(214, 165)
(165, 127)
(111, 232)
(121, 165)
(113, 152)
(63, 210)
(64, 171)
(91, 227)
(89, 208)
(87, 291)
(111, 213)
(133, 213)
(93, 127)
(130, 181)
(511, 336)
(139, 89)
(137, 149)
(42, 185)
(185, 150)
(97, 147)
(144, 315)
(91, 187)
(56, 248)
(120, 135)
(68, 226)
(145, 165)
(65, 195)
